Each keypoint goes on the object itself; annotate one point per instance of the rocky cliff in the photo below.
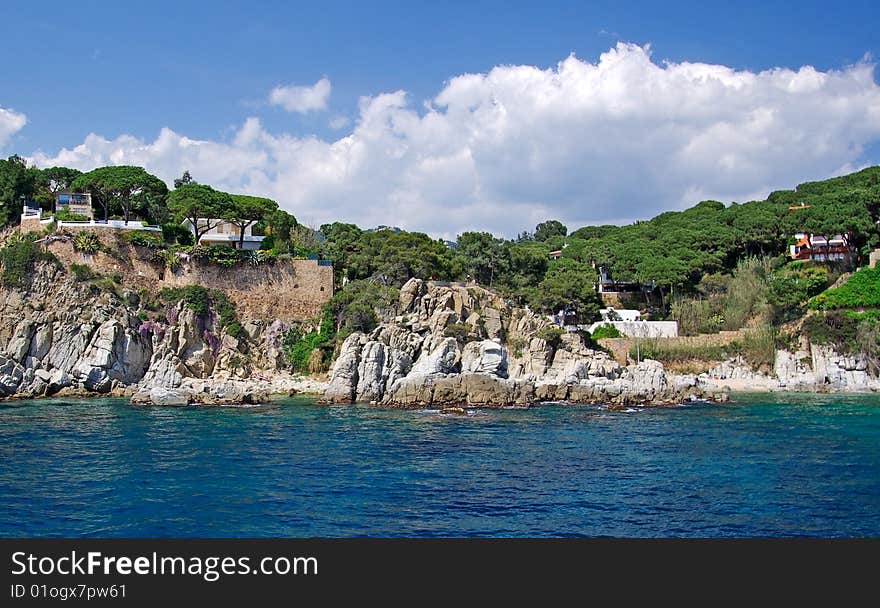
(451, 345)
(61, 336)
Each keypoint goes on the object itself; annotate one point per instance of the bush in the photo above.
(19, 258)
(459, 331)
(144, 239)
(550, 334)
(203, 302)
(87, 242)
(605, 331)
(300, 348)
(196, 298)
(82, 272)
(222, 255)
(176, 233)
(65, 215)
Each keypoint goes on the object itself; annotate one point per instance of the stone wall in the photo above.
(620, 347)
(289, 290)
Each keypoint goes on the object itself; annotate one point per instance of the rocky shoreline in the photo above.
(448, 345)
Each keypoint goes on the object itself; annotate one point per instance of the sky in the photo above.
(453, 116)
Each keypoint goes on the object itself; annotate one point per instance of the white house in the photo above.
(620, 314)
(222, 232)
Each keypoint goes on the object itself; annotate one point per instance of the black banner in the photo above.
(37, 572)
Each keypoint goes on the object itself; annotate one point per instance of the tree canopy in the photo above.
(126, 187)
(246, 210)
(201, 205)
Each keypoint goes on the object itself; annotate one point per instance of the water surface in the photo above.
(786, 465)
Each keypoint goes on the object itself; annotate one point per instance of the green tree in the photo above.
(126, 186)
(201, 205)
(184, 179)
(481, 256)
(53, 180)
(280, 224)
(246, 210)
(547, 230)
(18, 182)
(569, 285)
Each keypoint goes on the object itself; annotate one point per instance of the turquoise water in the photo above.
(785, 465)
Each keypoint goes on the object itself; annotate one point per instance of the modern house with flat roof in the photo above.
(221, 232)
(78, 203)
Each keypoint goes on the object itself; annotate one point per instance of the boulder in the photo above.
(486, 357)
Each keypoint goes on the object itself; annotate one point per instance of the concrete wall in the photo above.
(641, 329)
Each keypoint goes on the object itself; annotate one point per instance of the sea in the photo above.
(760, 465)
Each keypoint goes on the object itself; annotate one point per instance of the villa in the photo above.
(77, 203)
(222, 232)
(818, 248)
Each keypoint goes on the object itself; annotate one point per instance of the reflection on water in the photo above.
(765, 465)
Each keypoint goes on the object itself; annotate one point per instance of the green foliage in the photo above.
(222, 255)
(64, 215)
(480, 256)
(861, 290)
(672, 351)
(17, 181)
(246, 210)
(203, 302)
(129, 189)
(196, 298)
(82, 272)
(175, 233)
(846, 331)
(605, 331)
(299, 348)
(460, 331)
(359, 304)
(87, 242)
(569, 285)
(145, 239)
(19, 257)
(549, 229)
(550, 334)
(199, 203)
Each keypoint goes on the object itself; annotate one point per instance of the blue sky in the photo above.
(201, 69)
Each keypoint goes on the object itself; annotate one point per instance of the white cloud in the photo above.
(620, 139)
(338, 122)
(301, 99)
(11, 122)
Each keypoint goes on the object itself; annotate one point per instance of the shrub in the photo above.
(459, 331)
(222, 255)
(300, 348)
(196, 298)
(65, 215)
(87, 242)
(550, 334)
(19, 258)
(144, 239)
(82, 272)
(176, 233)
(169, 258)
(605, 331)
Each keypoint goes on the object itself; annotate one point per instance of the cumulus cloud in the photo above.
(11, 122)
(301, 99)
(619, 139)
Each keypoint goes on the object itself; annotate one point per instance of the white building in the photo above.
(620, 314)
(222, 232)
